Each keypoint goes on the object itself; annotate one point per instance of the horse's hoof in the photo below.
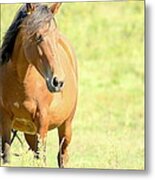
(36, 156)
(6, 162)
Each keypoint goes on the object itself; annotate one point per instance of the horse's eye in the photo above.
(38, 38)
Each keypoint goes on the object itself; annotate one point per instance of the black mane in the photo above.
(41, 15)
(10, 36)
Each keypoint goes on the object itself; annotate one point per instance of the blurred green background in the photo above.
(108, 129)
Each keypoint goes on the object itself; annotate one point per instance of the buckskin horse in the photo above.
(38, 81)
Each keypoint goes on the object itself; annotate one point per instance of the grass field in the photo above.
(108, 129)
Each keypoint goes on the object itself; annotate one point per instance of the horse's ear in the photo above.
(30, 7)
(55, 7)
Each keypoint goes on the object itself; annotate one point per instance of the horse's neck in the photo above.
(19, 61)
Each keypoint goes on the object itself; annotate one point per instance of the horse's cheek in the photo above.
(30, 53)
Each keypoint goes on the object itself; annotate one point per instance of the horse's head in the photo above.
(40, 43)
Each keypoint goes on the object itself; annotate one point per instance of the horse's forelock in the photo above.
(37, 19)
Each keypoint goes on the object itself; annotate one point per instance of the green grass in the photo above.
(108, 129)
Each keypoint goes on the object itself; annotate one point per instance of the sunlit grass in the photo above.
(108, 129)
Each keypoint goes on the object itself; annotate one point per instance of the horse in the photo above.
(38, 81)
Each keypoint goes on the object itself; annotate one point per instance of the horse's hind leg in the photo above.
(15, 135)
(38, 146)
(64, 132)
(32, 141)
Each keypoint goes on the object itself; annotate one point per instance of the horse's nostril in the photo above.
(55, 81)
(61, 83)
(54, 85)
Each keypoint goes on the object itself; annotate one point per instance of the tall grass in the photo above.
(108, 129)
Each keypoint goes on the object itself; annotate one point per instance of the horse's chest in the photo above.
(23, 117)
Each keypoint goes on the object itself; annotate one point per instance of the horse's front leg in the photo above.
(41, 149)
(5, 133)
(64, 132)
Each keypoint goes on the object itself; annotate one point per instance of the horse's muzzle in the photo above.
(54, 85)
